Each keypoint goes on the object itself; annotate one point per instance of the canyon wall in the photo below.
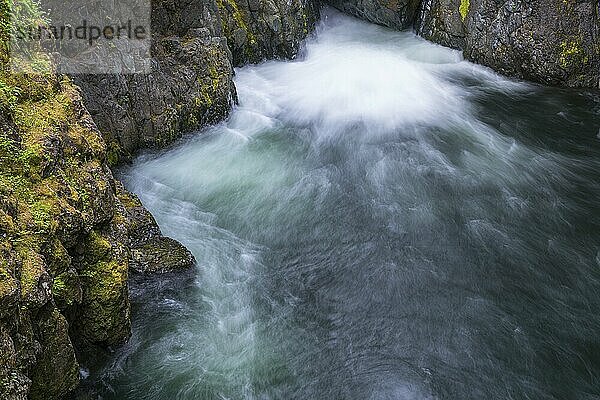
(554, 42)
(190, 84)
(258, 30)
(70, 234)
(195, 45)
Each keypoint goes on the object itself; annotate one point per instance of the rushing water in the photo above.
(377, 220)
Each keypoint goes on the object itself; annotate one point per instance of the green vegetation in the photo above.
(464, 8)
(572, 54)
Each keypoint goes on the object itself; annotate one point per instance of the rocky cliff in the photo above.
(70, 234)
(257, 30)
(190, 84)
(554, 42)
(195, 45)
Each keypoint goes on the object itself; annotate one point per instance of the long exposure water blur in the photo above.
(377, 219)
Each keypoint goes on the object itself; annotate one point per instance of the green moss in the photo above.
(113, 154)
(230, 8)
(43, 213)
(8, 284)
(572, 54)
(66, 289)
(464, 8)
(128, 200)
(18, 15)
(97, 247)
(31, 272)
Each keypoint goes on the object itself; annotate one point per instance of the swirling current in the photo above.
(378, 219)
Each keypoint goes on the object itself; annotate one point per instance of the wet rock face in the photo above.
(67, 234)
(258, 30)
(553, 42)
(190, 86)
(195, 44)
(440, 21)
(176, 17)
(396, 14)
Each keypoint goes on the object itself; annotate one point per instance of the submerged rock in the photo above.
(160, 254)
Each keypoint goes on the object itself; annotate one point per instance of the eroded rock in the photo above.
(258, 30)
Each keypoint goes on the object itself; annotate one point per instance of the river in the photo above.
(378, 219)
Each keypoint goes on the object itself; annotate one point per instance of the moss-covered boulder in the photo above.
(56, 371)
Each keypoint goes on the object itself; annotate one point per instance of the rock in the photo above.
(56, 371)
(14, 385)
(258, 30)
(103, 317)
(395, 14)
(161, 254)
(150, 251)
(441, 22)
(67, 229)
(553, 42)
(190, 86)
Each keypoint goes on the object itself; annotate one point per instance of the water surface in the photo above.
(378, 219)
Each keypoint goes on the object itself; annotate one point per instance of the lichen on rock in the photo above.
(258, 30)
(66, 235)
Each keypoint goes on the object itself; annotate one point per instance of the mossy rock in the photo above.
(161, 254)
(56, 371)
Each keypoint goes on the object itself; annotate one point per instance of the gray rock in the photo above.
(160, 255)
(258, 30)
(554, 42)
(190, 86)
(441, 22)
(396, 14)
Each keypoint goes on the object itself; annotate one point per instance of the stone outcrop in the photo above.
(190, 84)
(554, 42)
(195, 45)
(395, 14)
(68, 232)
(258, 30)
(66, 241)
(441, 21)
